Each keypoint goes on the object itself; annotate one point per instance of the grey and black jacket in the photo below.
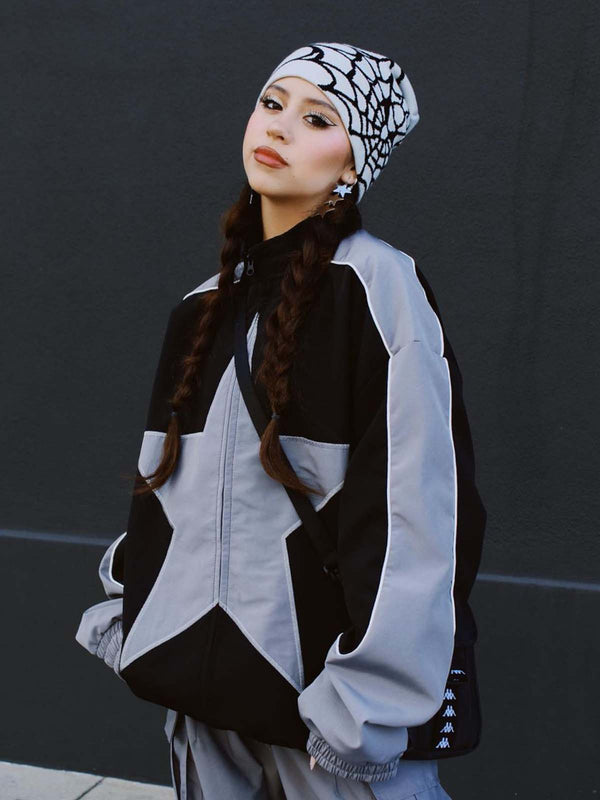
(218, 603)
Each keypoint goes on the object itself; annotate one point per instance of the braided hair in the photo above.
(299, 286)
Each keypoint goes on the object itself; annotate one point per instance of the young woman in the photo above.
(279, 681)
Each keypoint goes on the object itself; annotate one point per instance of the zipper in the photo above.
(223, 479)
(204, 687)
(228, 458)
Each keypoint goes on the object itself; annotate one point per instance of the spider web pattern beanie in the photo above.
(371, 93)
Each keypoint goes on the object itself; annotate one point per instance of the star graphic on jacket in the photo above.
(230, 522)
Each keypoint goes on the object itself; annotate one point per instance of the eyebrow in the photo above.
(314, 100)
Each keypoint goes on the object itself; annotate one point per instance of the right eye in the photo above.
(267, 99)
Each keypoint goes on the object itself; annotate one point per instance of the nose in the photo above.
(277, 130)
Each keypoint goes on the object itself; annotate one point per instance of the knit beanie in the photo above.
(371, 93)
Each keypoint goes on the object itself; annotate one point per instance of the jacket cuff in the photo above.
(365, 771)
(109, 647)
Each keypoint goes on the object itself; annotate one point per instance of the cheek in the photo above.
(251, 131)
(326, 152)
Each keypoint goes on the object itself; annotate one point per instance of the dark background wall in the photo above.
(121, 146)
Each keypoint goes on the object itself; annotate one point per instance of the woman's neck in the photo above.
(280, 217)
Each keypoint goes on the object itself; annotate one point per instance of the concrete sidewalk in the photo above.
(25, 782)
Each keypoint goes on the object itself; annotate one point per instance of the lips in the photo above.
(266, 155)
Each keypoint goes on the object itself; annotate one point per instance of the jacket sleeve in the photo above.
(396, 550)
(101, 627)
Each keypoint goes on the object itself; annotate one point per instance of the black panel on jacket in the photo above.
(146, 544)
(246, 692)
(471, 513)
(320, 607)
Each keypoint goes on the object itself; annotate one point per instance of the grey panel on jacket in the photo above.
(397, 300)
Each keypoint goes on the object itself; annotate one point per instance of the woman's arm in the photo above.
(100, 629)
(396, 549)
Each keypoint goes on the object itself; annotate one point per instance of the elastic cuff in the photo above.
(366, 771)
(109, 647)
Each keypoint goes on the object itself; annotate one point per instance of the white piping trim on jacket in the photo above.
(163, 435)
(260, 649)
(315, 442)
(373, 317)
(455, 496)
(285, 557)
(451, 442)
(389, 526)
(170, 635)
(198, 290)
(383, 568)
(114, 546)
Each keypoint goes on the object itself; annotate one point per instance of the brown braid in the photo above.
(241, 223)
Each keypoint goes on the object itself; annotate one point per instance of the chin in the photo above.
(266, 187)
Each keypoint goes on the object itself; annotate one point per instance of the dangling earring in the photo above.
(342, 189)
(251, 197)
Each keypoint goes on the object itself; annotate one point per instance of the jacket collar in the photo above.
(270, 256)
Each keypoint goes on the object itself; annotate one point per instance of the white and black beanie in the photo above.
(372, 95)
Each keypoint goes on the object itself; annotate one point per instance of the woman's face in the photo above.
(309, 136)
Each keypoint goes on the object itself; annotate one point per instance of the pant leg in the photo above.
(415, 780)
(183, 773)
(213, 764)
(264, 754)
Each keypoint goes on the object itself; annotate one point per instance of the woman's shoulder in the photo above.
(185, 309)
(183, 312)
(209, 284)
(205, 286)
(363, 244)
(392, 288)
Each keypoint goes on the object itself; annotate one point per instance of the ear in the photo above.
(349, 175)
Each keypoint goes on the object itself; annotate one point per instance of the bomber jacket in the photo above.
(218, 605)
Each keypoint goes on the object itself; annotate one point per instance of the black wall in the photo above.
(121, 147)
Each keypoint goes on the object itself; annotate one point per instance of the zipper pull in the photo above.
(249, 267)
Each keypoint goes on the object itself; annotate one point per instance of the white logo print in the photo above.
(449, 694)
(448, 728)
(457, 672)
(449, 712)
(443, 742)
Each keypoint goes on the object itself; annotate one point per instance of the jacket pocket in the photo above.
(455, 729)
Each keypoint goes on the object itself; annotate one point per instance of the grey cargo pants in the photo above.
(213, 764)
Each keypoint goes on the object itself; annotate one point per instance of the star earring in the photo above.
(342, 189)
